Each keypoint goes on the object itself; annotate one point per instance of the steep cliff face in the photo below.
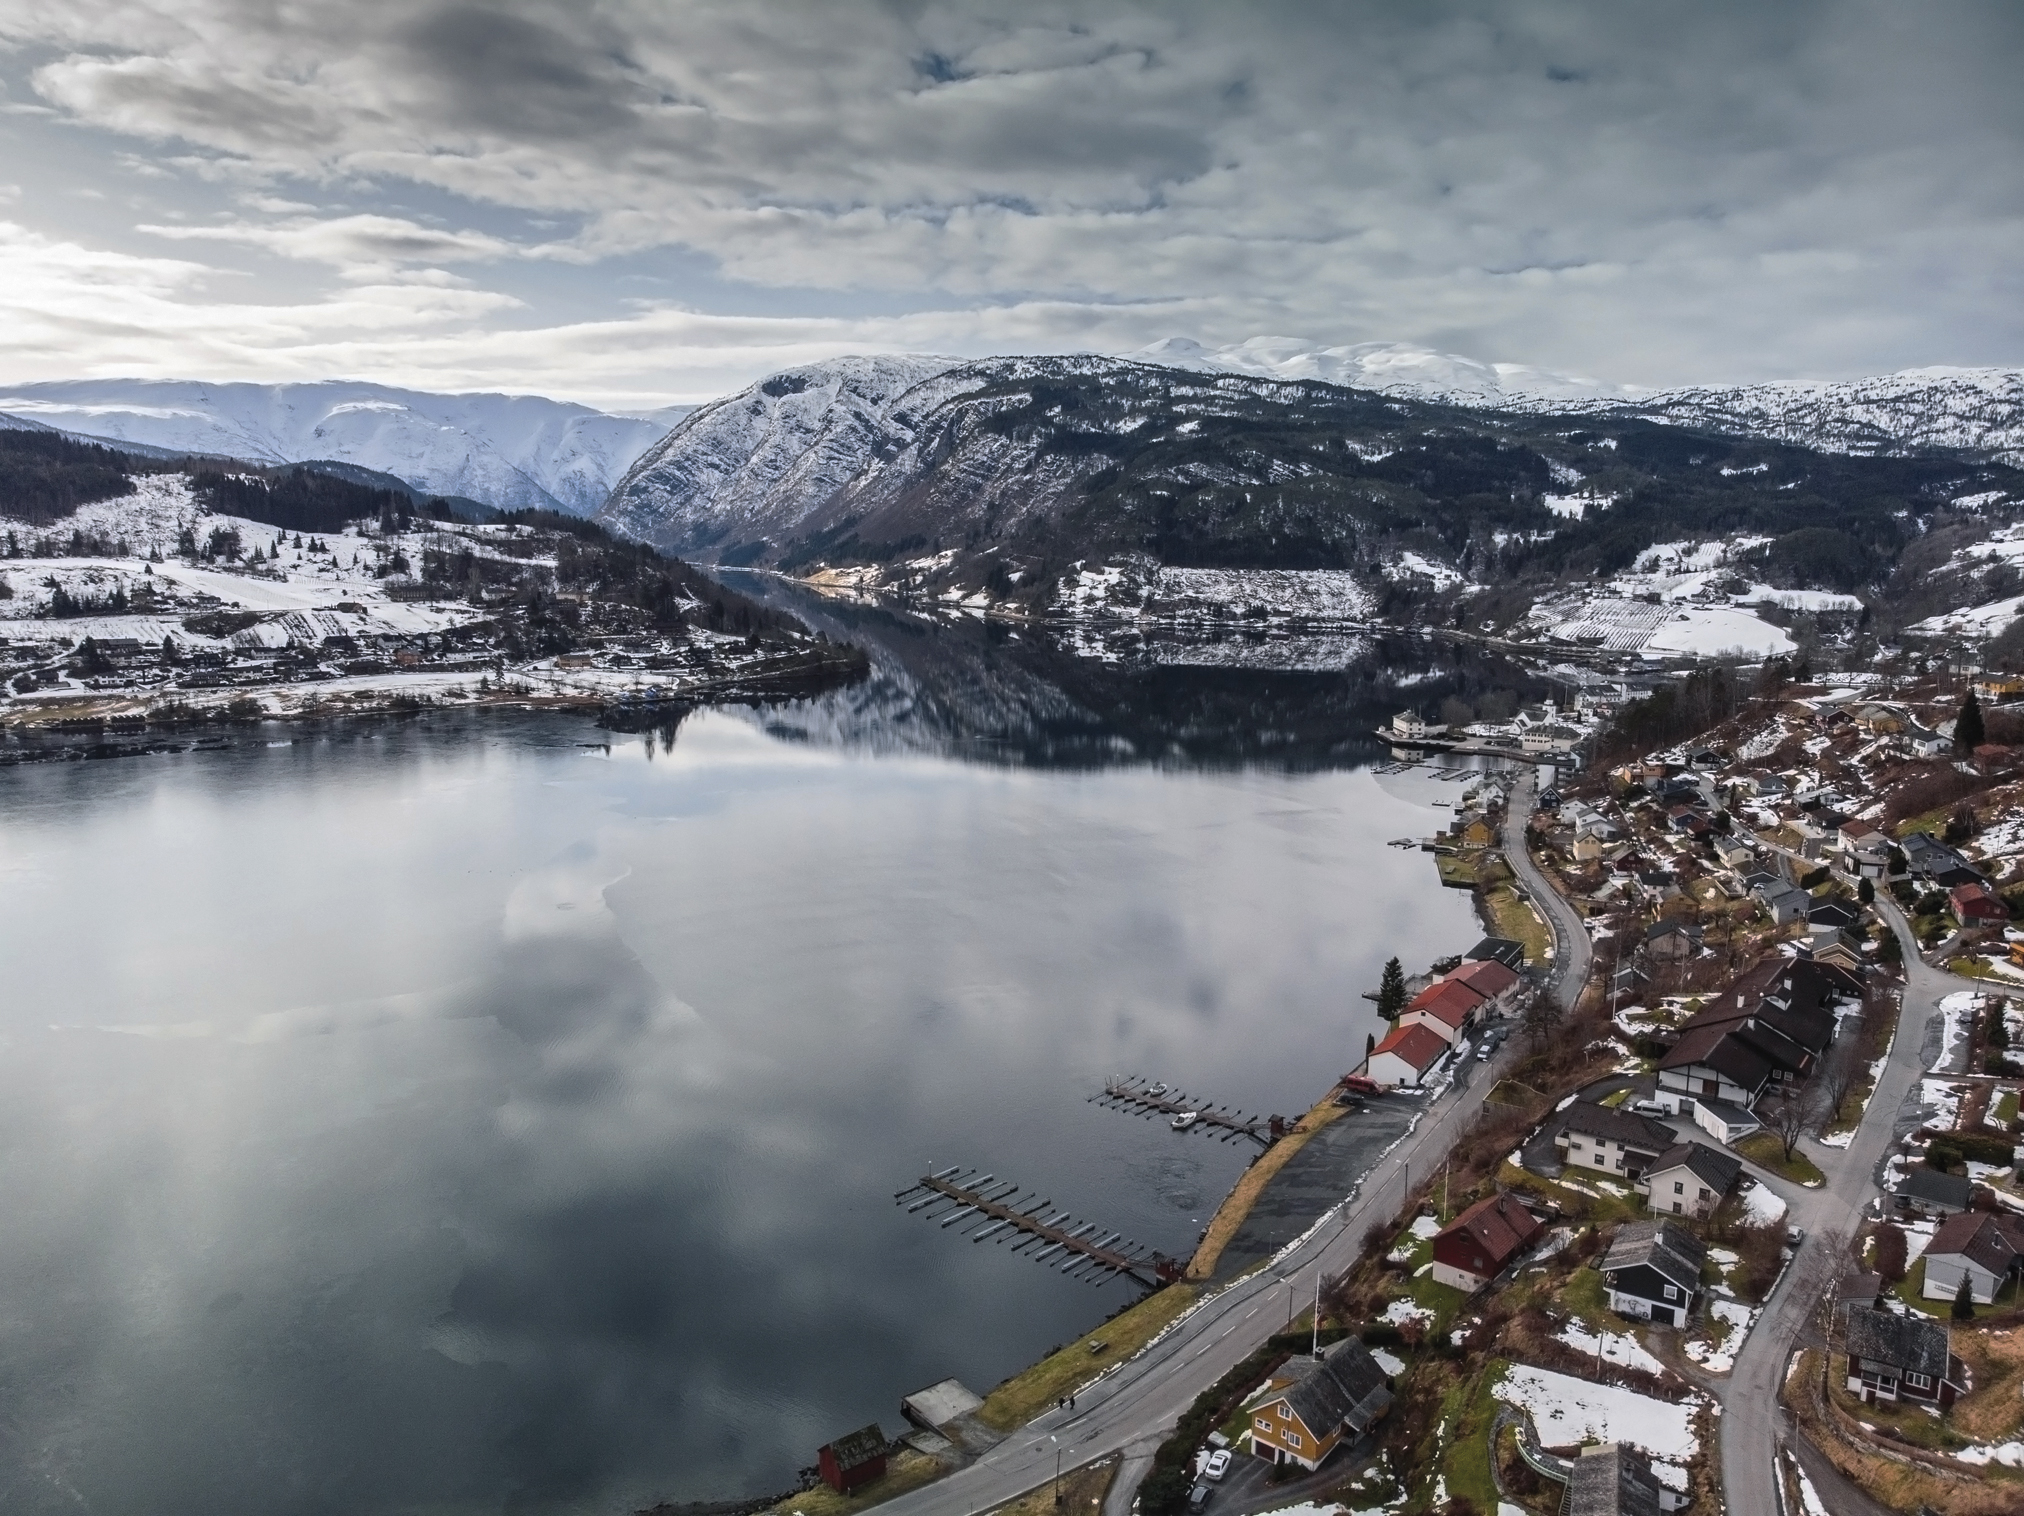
(759, 464)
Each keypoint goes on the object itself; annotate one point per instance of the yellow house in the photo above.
(1313, 1404)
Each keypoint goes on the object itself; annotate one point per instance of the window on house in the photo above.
(1679, 1188)
(1672, 1292)
(1704, 1192)
(1262, 1423)
(1919, 1381)
(1293, 1439)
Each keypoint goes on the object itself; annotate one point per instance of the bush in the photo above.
(1890, 1253)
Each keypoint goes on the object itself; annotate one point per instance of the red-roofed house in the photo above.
(1972, 902)
(1447, 1008)
(1473, 1249)
(1405, 1055)
(1492, 980)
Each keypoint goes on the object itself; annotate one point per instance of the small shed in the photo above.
(853, 1460)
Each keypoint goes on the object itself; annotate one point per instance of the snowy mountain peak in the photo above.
(509, 451)
(1392, 368)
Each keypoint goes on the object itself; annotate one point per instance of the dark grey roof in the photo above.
(1348, 1387)
(1610, 1480)
(1913, 1344)
(1618, 1126)
(1717, 1171)
(1672, 1250)
(1934, 1188)
(861, 1446)
(1832, 913)
(1501, 950)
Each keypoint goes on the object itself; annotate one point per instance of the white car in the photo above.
(1218, 1464)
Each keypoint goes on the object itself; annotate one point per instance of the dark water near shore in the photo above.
(456, 1116)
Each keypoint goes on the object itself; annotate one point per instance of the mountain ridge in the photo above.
(507, 451)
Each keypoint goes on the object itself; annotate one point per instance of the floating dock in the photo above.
(1142, 1097)
(1002, 1211)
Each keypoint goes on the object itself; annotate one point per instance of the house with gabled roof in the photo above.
(1985, 1247)
(1893, 1357)
(1653, 1271)
(1312, 1405)
(1497, 983)
(1406, 1056)
(1929, 1192)
(1689, 1179)
(853, 1460)
(1613, 1141)
(1448, 1008)
(1477, 1245)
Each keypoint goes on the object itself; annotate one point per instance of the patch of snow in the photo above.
(1567, 1411)
(1615, 1347)
(1404, 1310)
(1762, 1207)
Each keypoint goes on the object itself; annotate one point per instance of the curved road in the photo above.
(1131, 1410)
(1573, 953)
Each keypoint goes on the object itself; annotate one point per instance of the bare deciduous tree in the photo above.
(1790, 1118)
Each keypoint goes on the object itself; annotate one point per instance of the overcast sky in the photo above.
(636, 201)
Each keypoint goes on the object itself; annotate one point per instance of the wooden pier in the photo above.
(1001, 1211)
(1142, 1097)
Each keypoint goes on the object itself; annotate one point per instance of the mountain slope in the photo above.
(1000, 476)
(1972, 409)
(759, 462)
(509, 451)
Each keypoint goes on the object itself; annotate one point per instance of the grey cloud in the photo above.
(1649, 193)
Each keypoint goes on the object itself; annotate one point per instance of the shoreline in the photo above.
(85, 723)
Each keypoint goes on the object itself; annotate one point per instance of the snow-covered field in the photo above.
(1568, 1410)
(1150, 589)
(1763, 1207)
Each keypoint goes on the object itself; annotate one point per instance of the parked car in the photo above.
(1199, 1497)
(1648, 1108)
(1218, 1464)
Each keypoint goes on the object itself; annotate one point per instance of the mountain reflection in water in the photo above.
(504, 1115)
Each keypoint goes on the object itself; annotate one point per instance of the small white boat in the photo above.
(1157, 1090)
(1185, 1120)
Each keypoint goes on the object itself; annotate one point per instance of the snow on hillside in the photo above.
(1681, 598)
(1391, 368)
(798, 437)
(329, 594)
(1981, 409)
(510, 451)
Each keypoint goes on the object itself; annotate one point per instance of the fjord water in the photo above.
(463, 1115)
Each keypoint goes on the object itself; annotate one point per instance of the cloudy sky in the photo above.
(637, 201)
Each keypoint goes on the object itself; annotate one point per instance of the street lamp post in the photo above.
(1057, 1473)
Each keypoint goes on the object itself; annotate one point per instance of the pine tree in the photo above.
(1968, 731)
(1964, 1297)
(1391, 991)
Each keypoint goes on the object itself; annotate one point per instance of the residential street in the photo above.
(1750, 1434)
(1132, 1409)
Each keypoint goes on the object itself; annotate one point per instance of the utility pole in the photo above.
(1314, 1348)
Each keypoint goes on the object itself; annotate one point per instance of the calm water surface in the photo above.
(463, 1117)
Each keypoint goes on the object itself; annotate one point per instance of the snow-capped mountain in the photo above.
(1978, 409)
(1005, 473)
(1390, 368)
(509, 451)
(761, 461)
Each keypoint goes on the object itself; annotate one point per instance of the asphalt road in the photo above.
(1573, 953)
(1751, 1434)
(1131, 1410)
